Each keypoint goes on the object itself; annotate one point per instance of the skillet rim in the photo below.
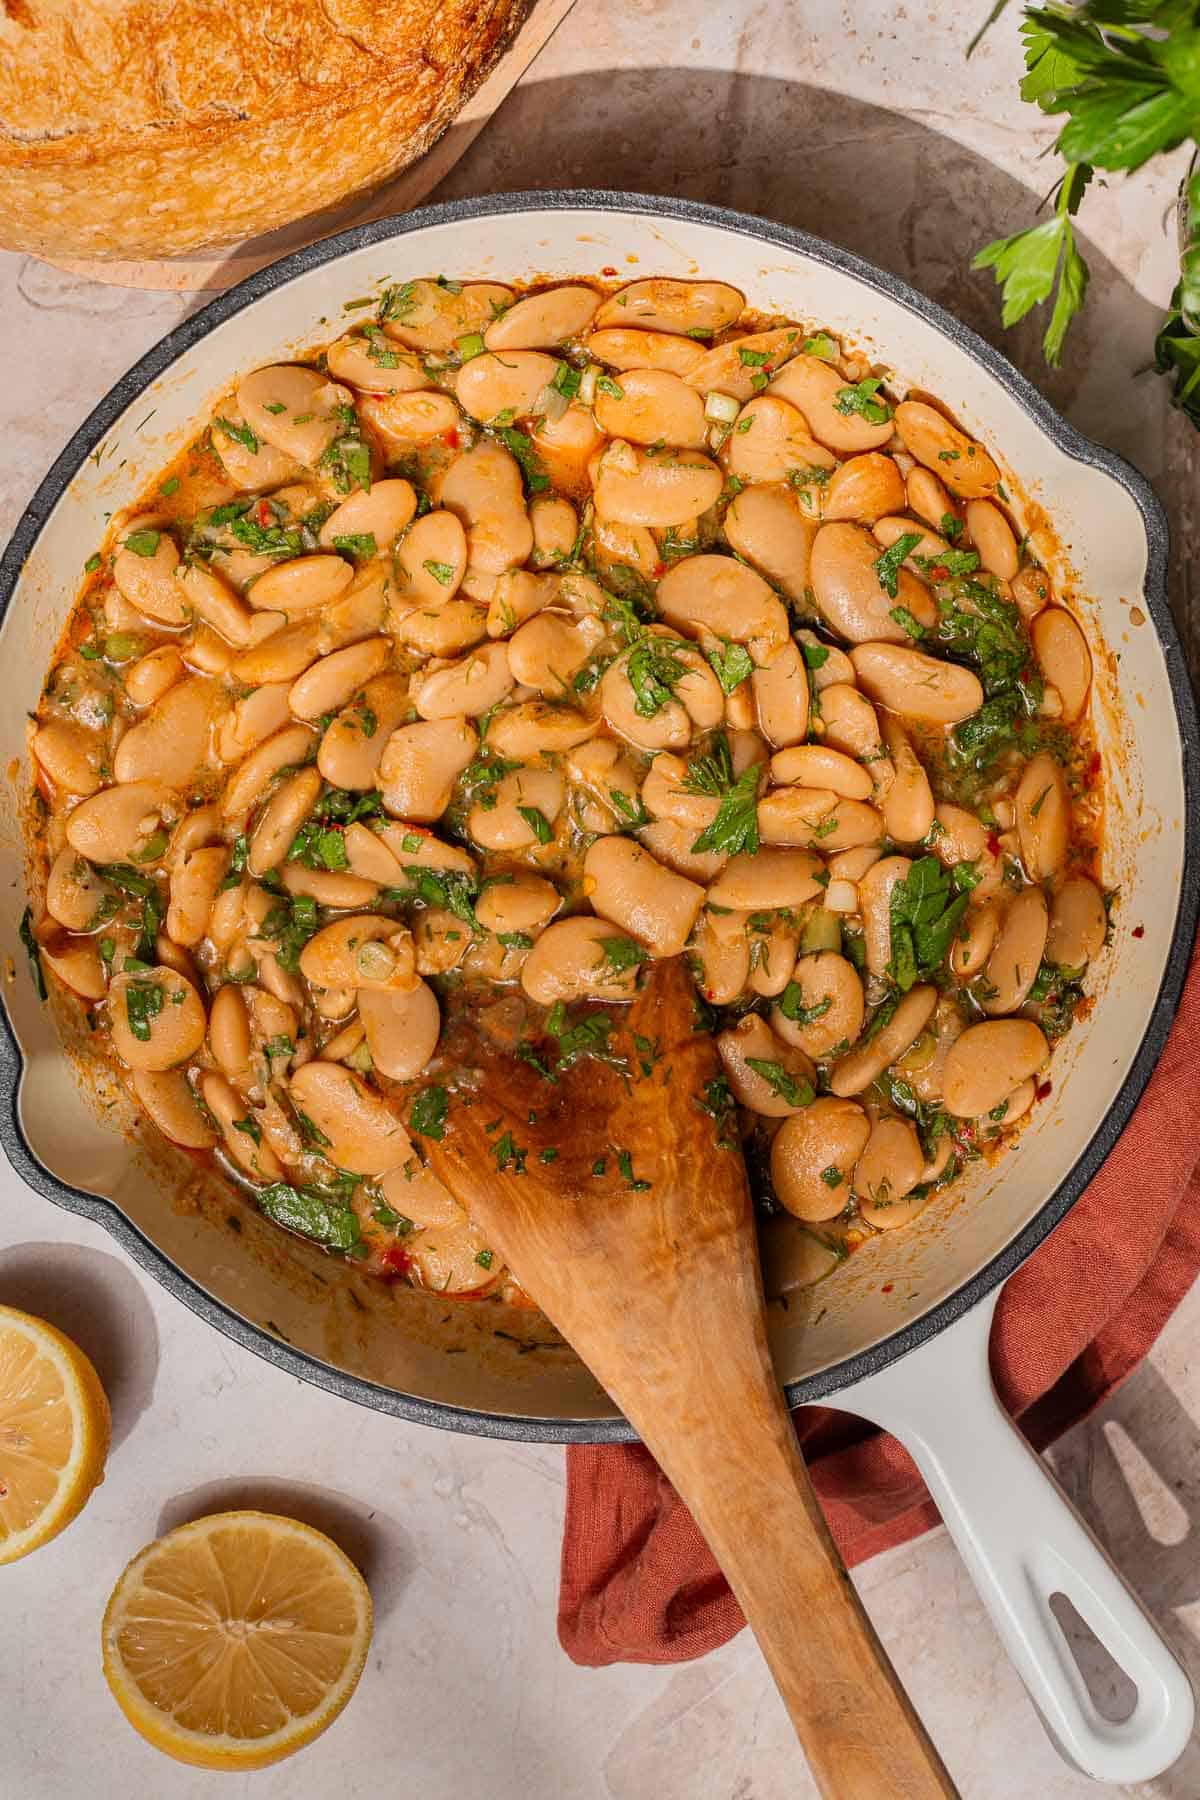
(819, 1387)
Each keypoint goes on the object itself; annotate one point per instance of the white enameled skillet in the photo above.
(900, 1336)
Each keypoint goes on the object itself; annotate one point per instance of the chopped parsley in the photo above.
(735, 828)
(143, 543)
(926, 908)
(863, 398)
(312, 1213)
(428, 1114)
(241, 434)
(731, 664)
(887, 566)
(33, 951)
(538, 823)
(791, 1089)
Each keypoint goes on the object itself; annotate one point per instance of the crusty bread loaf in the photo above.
(153, 127)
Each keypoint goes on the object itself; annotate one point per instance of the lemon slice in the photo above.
(54, 1432)
(235, 1640)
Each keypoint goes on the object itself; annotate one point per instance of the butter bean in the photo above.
(907, 803)
(434, 317)
(176, 1029)
(764, 525)
(863, 1065)
(332, 681)
(651, 407)
(1078, 923)
(283, 656)
(815, 386)
(959, 461)
(250, 470)
(114, 824)
(402, 1029)
(1031, 591)
(456, 626)
(752, 1041)
(626, 349)
(816, 766)
(671, 844)
(568, 963)
(886, 1173)
(547, 651)
(504, 826)
(75, 891)
(720, 955)
(352, 745)
(555, 528)
(294, 744)
(526, 904)
(293, 408)
(993, 538)
(483, 488)
(375, 366)
(172, 740)
(329, 887)
(282, 817)
(365, 1134)
(536, 726)
(467, 688)
(875, 904)
(1062, 651)
(625, 546)
(70, 755)
(864, 488)
(817, 818)
(915, 685)
(975, 941)
(1017, 954)
(305, 584)
(669, 728)
(829, 988)
(544, 319)
(848, 592)
(168, 1098)
(662, 304)
(834, 668)
(407, 422)
(195, 883)
(775, 942)
(366, 950)
(829, 1135)
(988, 1061)
(771, 441)
(927, 497)
(1043, 817)
(626, 884)
(382, 514)
(148, 679)
(229, 1032)
(738, 366)
(420, 765)
(510, 384)
(519, 596)
(767, 880)
(715, 594)
(636, 489)
(149, 582)
(432, 560)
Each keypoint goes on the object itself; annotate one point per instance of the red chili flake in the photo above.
(660, 570)
(264, 514)
(1042, 1091)
(450, 438)
(1138, 931)
(993, 843)
(608, 269)
(395, 1260)
(887, 1288)
(941, 573)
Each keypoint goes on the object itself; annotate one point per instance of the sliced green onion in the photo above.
(587, 384)
(470, 345)
(722, 409)
(551, 403)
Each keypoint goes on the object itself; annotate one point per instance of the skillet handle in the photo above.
(1023, 1542)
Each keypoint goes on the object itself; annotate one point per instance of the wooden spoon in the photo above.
(615, 1191)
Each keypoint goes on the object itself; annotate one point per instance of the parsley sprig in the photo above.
(1122, 76)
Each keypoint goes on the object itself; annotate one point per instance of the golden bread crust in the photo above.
(154, 127)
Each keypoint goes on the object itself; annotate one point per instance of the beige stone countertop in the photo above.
(864, 124)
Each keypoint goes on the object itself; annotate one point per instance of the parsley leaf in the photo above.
(1031, 264)
(309, 1212)
(731, 665)
(862, 398)
(926, 908)
(887, 566)
(654, 671)
(428, 1114)
(538, 823)
(34, 953)
(796, 1092)
(735, 828)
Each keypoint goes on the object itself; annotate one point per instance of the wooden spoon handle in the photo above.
(726, 1442)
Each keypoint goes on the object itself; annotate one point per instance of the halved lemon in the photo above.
(54, 1432)
(235, 1640)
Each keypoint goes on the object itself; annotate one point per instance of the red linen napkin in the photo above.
(639, 1584)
